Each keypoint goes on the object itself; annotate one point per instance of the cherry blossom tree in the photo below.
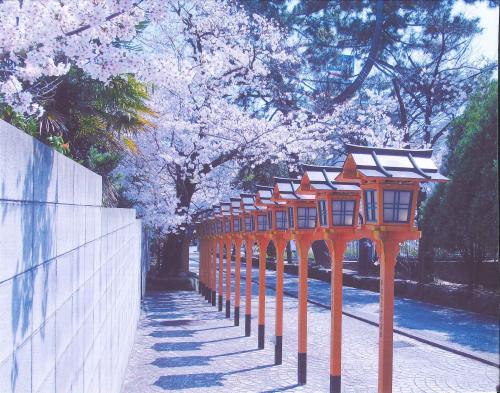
(198, 59)
(40, 39)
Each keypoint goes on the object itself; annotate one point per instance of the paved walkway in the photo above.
(184, 343)
(465, 331)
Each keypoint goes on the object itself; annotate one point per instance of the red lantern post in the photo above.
(302, 220)
(248, 225)
(237, 238)
(338, 206)
(226, 212)
(390, 183)
(262, 235)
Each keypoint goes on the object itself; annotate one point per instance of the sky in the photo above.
(485, 44)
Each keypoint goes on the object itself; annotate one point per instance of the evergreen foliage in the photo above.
(462, 215)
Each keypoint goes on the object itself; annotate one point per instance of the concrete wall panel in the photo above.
(68, 269)
(16, 164)
(16, 236)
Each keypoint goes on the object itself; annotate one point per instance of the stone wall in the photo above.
(70, 274)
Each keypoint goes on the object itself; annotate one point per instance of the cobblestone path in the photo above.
(183, 343)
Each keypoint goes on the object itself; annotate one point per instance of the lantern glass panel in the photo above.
(343, 212)
(269, 220)
(227, 228)
(371, 205)
(281, 220)
(397, 205)
(290, 217)
(262, 222)
(219, 226)
(322, 214)
(306, 217)
(249, 227)
(236, 224)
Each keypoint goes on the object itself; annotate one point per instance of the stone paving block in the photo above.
(16, 236)
(16, 164)
(44, 354)
(45, 172)
(184, 343)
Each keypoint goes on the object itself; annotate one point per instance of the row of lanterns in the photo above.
(373, 195)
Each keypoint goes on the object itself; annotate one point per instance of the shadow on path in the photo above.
(199, 380)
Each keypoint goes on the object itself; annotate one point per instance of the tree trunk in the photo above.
(175, 258)
(321, 255)
(289, 253)
(271, 250)
(365, 256)
(175, 255)
(352, 88)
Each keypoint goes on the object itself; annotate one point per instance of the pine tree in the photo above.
(462, 215)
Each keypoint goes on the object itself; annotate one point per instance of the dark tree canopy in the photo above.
(417, 52)
(462, 215)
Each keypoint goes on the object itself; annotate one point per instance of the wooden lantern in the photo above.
(390, 183)
(247, 207)
(302, 223)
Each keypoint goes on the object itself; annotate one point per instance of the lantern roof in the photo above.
(247, 202)
(322, 178)
(217, 210)
(286, 189)
(202, 215)
(207, 214)
(380, 162)
(225, 208)
(264, 195)
(235, 205)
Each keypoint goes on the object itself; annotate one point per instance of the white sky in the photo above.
(485, 44)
